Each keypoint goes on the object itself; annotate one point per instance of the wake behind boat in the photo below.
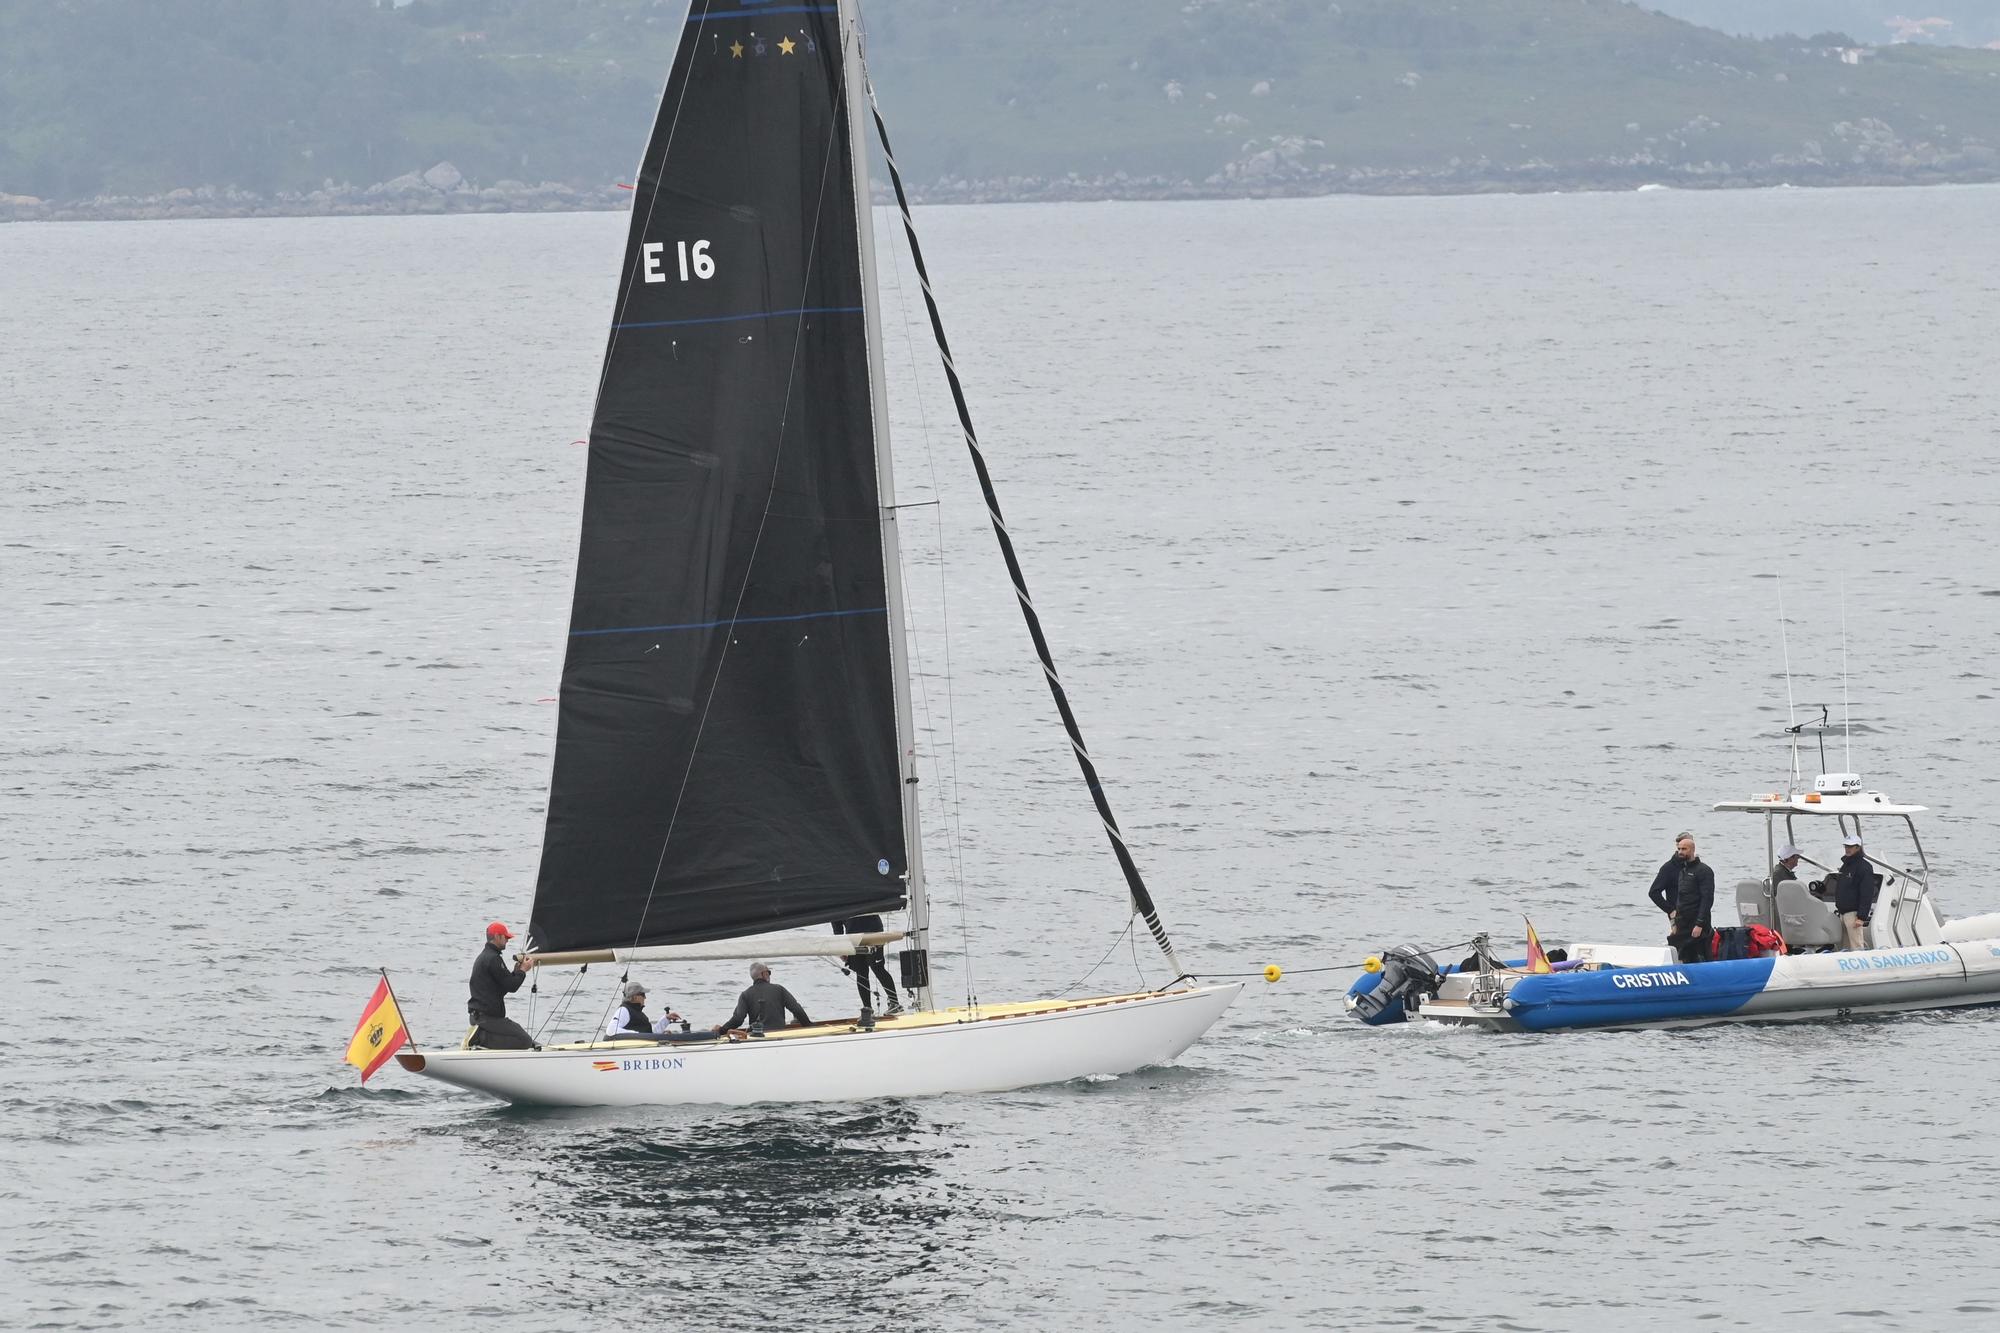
(735, 752)
(1788, 959)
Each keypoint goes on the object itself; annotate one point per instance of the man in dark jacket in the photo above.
(1854, 892)
(492, 982)
(866, 958)
(1685, 890)
(764, 1004)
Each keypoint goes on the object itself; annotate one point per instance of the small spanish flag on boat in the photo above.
(379, 1033)
(1538, 959)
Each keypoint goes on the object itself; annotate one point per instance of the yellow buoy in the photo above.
(1272, 971)
(1371, 964)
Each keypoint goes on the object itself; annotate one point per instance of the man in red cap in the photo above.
(492, 982)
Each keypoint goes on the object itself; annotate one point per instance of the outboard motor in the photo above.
(1408, 975)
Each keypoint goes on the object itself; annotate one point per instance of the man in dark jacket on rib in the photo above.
(1854, 892)
(1685, 890)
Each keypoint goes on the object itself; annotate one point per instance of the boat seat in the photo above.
(1754, 905)
(1806, 922)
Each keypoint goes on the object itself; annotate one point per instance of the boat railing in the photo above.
(1488, 990)
(1908, 876)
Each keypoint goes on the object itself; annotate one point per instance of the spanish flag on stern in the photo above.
(1538, 959)
(379, 1033)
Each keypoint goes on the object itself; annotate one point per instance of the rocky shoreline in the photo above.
(441, 189)
(1282, 169)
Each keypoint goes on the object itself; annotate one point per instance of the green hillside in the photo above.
(258, 99)
(1579, 88)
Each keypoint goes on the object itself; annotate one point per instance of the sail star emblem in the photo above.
(787, 45)
(736, 50)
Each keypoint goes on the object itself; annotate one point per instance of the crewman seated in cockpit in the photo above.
(629, 1019)
(1788, 865)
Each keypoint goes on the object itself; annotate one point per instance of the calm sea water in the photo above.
(1416, 566)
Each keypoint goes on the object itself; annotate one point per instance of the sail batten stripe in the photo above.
(739, 620)
(732, 319)
(1142, 900)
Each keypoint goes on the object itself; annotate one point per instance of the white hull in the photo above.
(1005, 1046)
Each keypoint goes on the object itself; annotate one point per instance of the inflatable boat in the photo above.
(1915, 957)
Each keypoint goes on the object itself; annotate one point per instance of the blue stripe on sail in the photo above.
(741, 620)
(730, 319)
(754, 13)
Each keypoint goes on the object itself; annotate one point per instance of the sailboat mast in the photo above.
(855, 97)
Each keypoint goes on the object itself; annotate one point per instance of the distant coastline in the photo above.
(405, 200)
(313, 108)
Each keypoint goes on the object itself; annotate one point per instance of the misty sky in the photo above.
(1967, 22)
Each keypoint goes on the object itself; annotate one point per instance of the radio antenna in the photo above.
(1791, 709)
(1846, 720)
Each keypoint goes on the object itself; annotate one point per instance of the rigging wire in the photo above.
(1142, 899)
(1335, 967)
(1791, 708)
(556, 1010)
(1846, 719)
(1102, 961)
(1259, 975)
(948, 799)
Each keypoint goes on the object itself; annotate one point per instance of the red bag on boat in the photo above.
(1730, 943)
(1764, 941)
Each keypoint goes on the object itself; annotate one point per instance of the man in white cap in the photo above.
(1854, 891)
(1788, 865)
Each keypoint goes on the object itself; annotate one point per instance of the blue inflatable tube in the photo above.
(1636, 994)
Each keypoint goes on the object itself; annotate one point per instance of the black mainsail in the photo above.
(726, 751)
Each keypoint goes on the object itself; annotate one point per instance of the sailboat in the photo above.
(734, 751)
